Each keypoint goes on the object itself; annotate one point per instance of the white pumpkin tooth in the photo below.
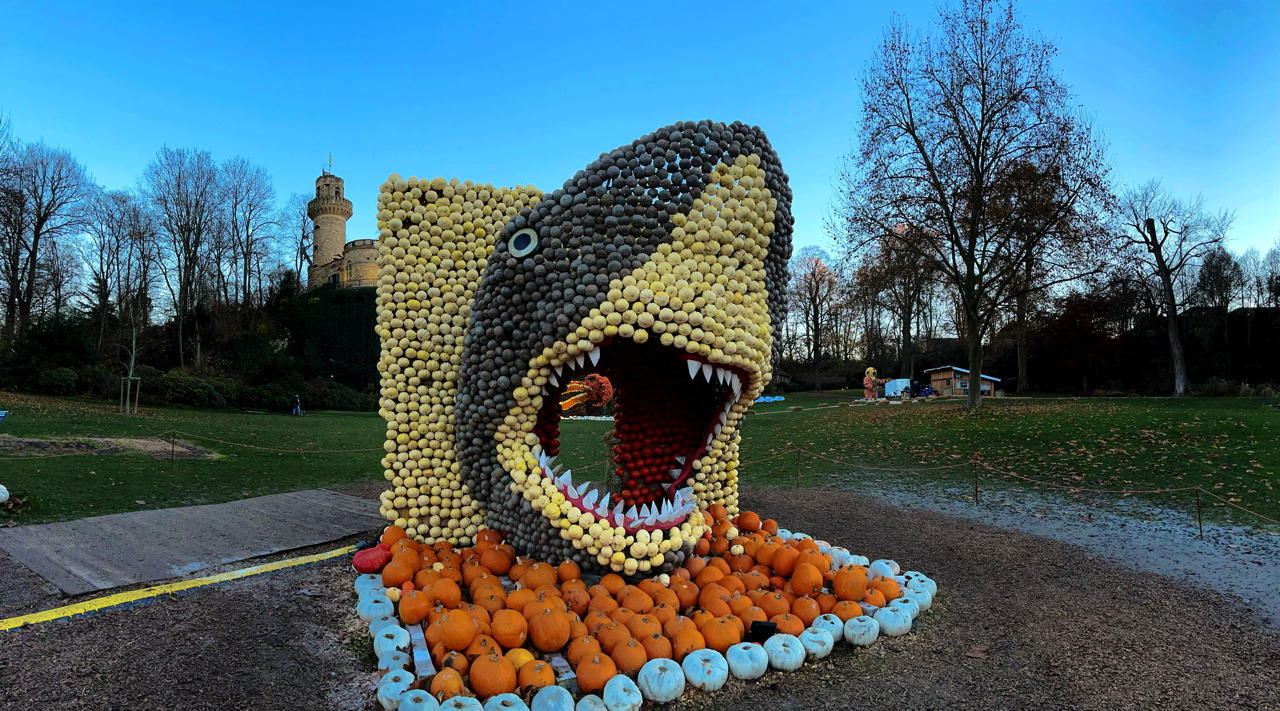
(716, 430)
(552, 379)
(631, 512)
(564, 480)
(589, 500)
(603, 507)
(693, 368)
(580, 360)
(559, 367)
(674, 473)
(706, 371)
(594, 354)
(681, 459)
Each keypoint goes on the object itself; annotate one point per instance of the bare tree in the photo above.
(249, 204)
(298, 234)
(46, 189)
(1166, 237)
(182, 187)
(1271, 275)
(947, 125)
(814, 289)
(898, 277)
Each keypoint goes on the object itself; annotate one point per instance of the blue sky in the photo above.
(530, 92)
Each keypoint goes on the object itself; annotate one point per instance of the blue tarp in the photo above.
(894, 388)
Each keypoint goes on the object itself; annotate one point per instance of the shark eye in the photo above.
(523, 243)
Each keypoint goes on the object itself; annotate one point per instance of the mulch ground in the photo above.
(1020, 622)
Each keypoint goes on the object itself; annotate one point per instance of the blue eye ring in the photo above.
(523, 242)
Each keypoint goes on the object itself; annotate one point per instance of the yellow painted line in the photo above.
(106, 601)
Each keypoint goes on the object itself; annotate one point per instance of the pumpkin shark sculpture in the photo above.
(660, 265)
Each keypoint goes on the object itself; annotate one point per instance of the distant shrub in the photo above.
(97, 379)
(179, 387)
(1216, 387)
(56, 381)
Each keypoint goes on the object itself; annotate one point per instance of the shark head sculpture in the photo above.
(660, 265)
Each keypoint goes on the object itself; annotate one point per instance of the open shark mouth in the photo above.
(669, 406)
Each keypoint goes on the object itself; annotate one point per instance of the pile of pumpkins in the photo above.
(503, 631)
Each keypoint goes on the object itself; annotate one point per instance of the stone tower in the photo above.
(330, 212)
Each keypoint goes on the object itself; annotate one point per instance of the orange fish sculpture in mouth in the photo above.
(660, 265)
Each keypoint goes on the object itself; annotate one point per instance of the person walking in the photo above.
(297, 405)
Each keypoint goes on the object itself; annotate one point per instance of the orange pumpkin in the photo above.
(806, 608)
(887, 587)
(491, 675)
(446, 684)
(722, 633)
(457, 629)
(656, 645)
(850, 582)
(414, 606)
(686, 592)
(613, 583)
(641, 625)
(612, 634)
(397, 573)
(568, 570)
(874, 597)
(634, 599)
(518, 598)
(629, 656)
(509, 628)
(391, 534)
(806, 580)
(456, 661)
(496, 560)
(594, 672)
(446, 592)
(686, 641)
(784, 561)
(788, 623)
(536, 675)
(580, 648)
(549, 630)
(676, 625)
(774, 604)
(846, 610)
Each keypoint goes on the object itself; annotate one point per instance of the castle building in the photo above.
(334, 260)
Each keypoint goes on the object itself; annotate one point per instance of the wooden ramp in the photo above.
(105, 552)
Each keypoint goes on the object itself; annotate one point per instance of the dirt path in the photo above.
(1060, 629)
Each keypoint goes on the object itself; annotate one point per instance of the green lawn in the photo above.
(1228, 446)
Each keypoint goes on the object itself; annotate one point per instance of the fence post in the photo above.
(173, 445)
(975, 486)
(1199, 517)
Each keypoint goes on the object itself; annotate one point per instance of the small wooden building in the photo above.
(953, 380)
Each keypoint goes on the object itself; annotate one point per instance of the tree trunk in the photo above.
(907, 364)
(973, 332)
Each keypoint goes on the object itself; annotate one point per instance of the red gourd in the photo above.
(371, 560)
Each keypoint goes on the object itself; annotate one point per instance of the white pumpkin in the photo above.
(833, 625)
(373, 608)
(854, 559)
(824, 547)
(921, 598)
(505, 702)
(801, 536)
(705, 669)
(390, 639)
(391, 687)
(378, 623)
(839, 558)
(622, 694)
(552, 698)
(919, 581)
(418, 700)
(591, 702)
(461, 703)
(905, 603)
(786, 653)
(391, 662)
(884, 567)
(368, 582)
(661, 680)
(784, 534)
(861, 631)
(747, 660)
(894, 621)
(817, 643)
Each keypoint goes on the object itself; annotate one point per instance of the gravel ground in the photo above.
(1021, 622)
